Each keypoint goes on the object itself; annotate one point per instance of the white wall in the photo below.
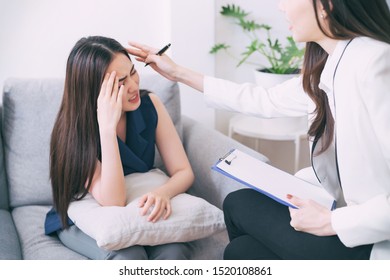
(193, 33)
(37, 36)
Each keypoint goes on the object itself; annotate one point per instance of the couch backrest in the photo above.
(29, 110)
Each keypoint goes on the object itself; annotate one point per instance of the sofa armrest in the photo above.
(4, 204)
(204, 147)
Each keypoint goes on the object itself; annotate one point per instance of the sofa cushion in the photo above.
(30, 107)
(210, 248)
(29, 221)
(9, 242)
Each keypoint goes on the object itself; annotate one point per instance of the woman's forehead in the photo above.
(121, 64)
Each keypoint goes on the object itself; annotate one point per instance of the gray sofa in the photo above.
(27, 115)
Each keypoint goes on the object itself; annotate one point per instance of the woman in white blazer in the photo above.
(344, 90)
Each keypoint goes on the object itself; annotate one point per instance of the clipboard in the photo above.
(269, 180)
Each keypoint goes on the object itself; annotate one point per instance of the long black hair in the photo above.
(347, 19)
(75, 140)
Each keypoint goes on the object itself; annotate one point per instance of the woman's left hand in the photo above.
(310, 217)
(159, 204)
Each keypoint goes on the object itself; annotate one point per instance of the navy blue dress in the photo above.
(137, 153)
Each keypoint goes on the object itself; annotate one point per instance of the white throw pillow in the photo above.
(115, 227)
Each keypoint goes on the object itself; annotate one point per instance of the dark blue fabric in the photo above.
(53, 222)
(137, 153)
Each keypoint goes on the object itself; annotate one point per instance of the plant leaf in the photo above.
(283, 59)
(233, 11)
(252, 48)
(249, 25)
(217, 47)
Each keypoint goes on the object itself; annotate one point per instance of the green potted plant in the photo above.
(282, 59)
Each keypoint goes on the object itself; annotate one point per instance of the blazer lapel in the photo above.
(132, 158)
(135, 126)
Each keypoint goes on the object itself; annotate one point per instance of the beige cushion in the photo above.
(115, 227)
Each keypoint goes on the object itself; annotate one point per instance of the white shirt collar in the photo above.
(326, 80)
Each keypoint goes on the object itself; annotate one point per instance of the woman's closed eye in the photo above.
(121, 84)
(122, 81)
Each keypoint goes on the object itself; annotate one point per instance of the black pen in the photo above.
(161, 52)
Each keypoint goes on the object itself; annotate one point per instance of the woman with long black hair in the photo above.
(106, 128)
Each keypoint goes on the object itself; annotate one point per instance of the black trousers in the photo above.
(259, 228)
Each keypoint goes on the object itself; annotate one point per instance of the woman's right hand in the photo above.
(109, 103)
(161, 64)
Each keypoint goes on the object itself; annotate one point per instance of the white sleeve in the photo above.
(375, 93)
(286, 99)
(365, 223)
(369, 222)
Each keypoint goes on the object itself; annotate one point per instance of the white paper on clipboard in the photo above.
(269, 180)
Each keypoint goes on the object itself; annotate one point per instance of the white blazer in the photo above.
(360, 104)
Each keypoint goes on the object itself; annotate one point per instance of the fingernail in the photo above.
(289, 196)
